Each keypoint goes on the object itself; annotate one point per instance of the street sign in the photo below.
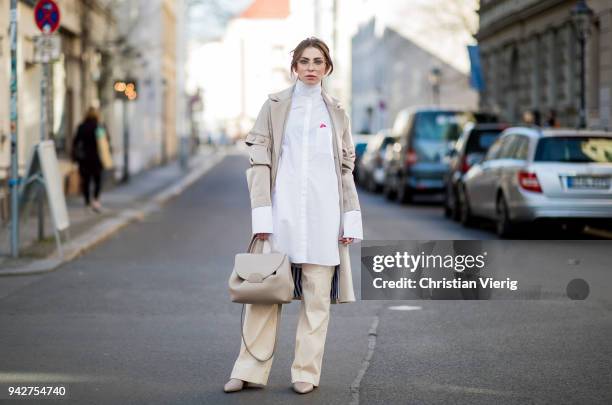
(47, 48)
(476, 77)
(47, 16)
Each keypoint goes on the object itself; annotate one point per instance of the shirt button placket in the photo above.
(304, 177)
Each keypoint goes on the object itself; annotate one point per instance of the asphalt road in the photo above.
(145, 318)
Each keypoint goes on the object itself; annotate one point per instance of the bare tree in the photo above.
(452, 16)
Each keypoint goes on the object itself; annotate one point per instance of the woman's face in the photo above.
(311, 66)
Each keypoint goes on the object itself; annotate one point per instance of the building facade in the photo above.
(390, 72)
(102, 41)
(150, 55)
(531, 60)
(78, 79)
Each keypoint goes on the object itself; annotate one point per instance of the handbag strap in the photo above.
(278, 313)
(254, 240)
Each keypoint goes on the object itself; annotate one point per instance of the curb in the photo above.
(106, 228)
(602, 233)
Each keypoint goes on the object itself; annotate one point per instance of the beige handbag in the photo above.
(261, 278)
(104, 148)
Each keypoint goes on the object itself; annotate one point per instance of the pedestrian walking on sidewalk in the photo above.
(91, 150)
(304, 202)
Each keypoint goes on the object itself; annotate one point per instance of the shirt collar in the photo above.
(308, 90)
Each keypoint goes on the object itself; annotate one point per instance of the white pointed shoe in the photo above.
(236, 384)
(302, 387)
(233, 385)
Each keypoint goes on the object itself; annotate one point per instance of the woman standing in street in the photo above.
(303, 201)
(85, 152)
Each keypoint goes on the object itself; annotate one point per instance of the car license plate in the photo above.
(588, 182)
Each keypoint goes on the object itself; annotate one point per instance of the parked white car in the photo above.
(530, 174)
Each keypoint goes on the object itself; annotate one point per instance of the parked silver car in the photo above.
(531, 174)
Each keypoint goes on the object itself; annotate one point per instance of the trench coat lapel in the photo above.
(279, 111)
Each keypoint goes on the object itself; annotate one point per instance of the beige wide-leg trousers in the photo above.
(260, 327)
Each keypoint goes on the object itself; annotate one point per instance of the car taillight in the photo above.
(411, 157)
(529, 181)
(465, 166)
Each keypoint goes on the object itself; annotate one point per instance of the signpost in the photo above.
(47, 49)
(14, 181)
(47, 16)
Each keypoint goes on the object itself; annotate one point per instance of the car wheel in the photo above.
(503, 224)
(450, 203)
(371, 184)
(389, 192)
(404, 193)
(465, 214)
(376, 188)
(455, 206)
(573, 229)
(448, 209)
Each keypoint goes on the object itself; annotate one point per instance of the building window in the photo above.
(524, 95)
(536, 73)
(593, 69)
(573, 68)
(553, 55)
(544, 63)
(514, 85)
(561, 65)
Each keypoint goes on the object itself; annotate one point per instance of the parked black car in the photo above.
(371, 166)
(469, 150)
(418, 164)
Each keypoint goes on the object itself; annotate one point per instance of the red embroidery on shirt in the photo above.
(322, 125)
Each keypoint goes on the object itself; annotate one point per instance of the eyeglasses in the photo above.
(306, 63)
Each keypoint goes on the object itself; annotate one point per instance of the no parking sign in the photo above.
(47, 16)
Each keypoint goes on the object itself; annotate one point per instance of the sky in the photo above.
(208, 18)
(440, 26)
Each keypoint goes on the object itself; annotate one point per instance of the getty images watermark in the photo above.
(472, 270)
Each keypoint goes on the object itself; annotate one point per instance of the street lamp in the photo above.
(435, 77)
(582, 17)
(126, 90)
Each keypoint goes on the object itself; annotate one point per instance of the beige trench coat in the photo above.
(265, 140)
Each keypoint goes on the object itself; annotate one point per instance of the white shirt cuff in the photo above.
(352, 225)
(262, 219)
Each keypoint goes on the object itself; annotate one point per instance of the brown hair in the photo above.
(92, 114)
(314, 43)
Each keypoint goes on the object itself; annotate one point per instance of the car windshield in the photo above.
(574, 149)
(480, 141)
(438, 126)
(388, 140)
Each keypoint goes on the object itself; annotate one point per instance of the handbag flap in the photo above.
(260, 263)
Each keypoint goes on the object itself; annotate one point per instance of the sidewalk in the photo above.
(145, 193)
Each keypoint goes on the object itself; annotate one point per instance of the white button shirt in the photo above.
(304, 218)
